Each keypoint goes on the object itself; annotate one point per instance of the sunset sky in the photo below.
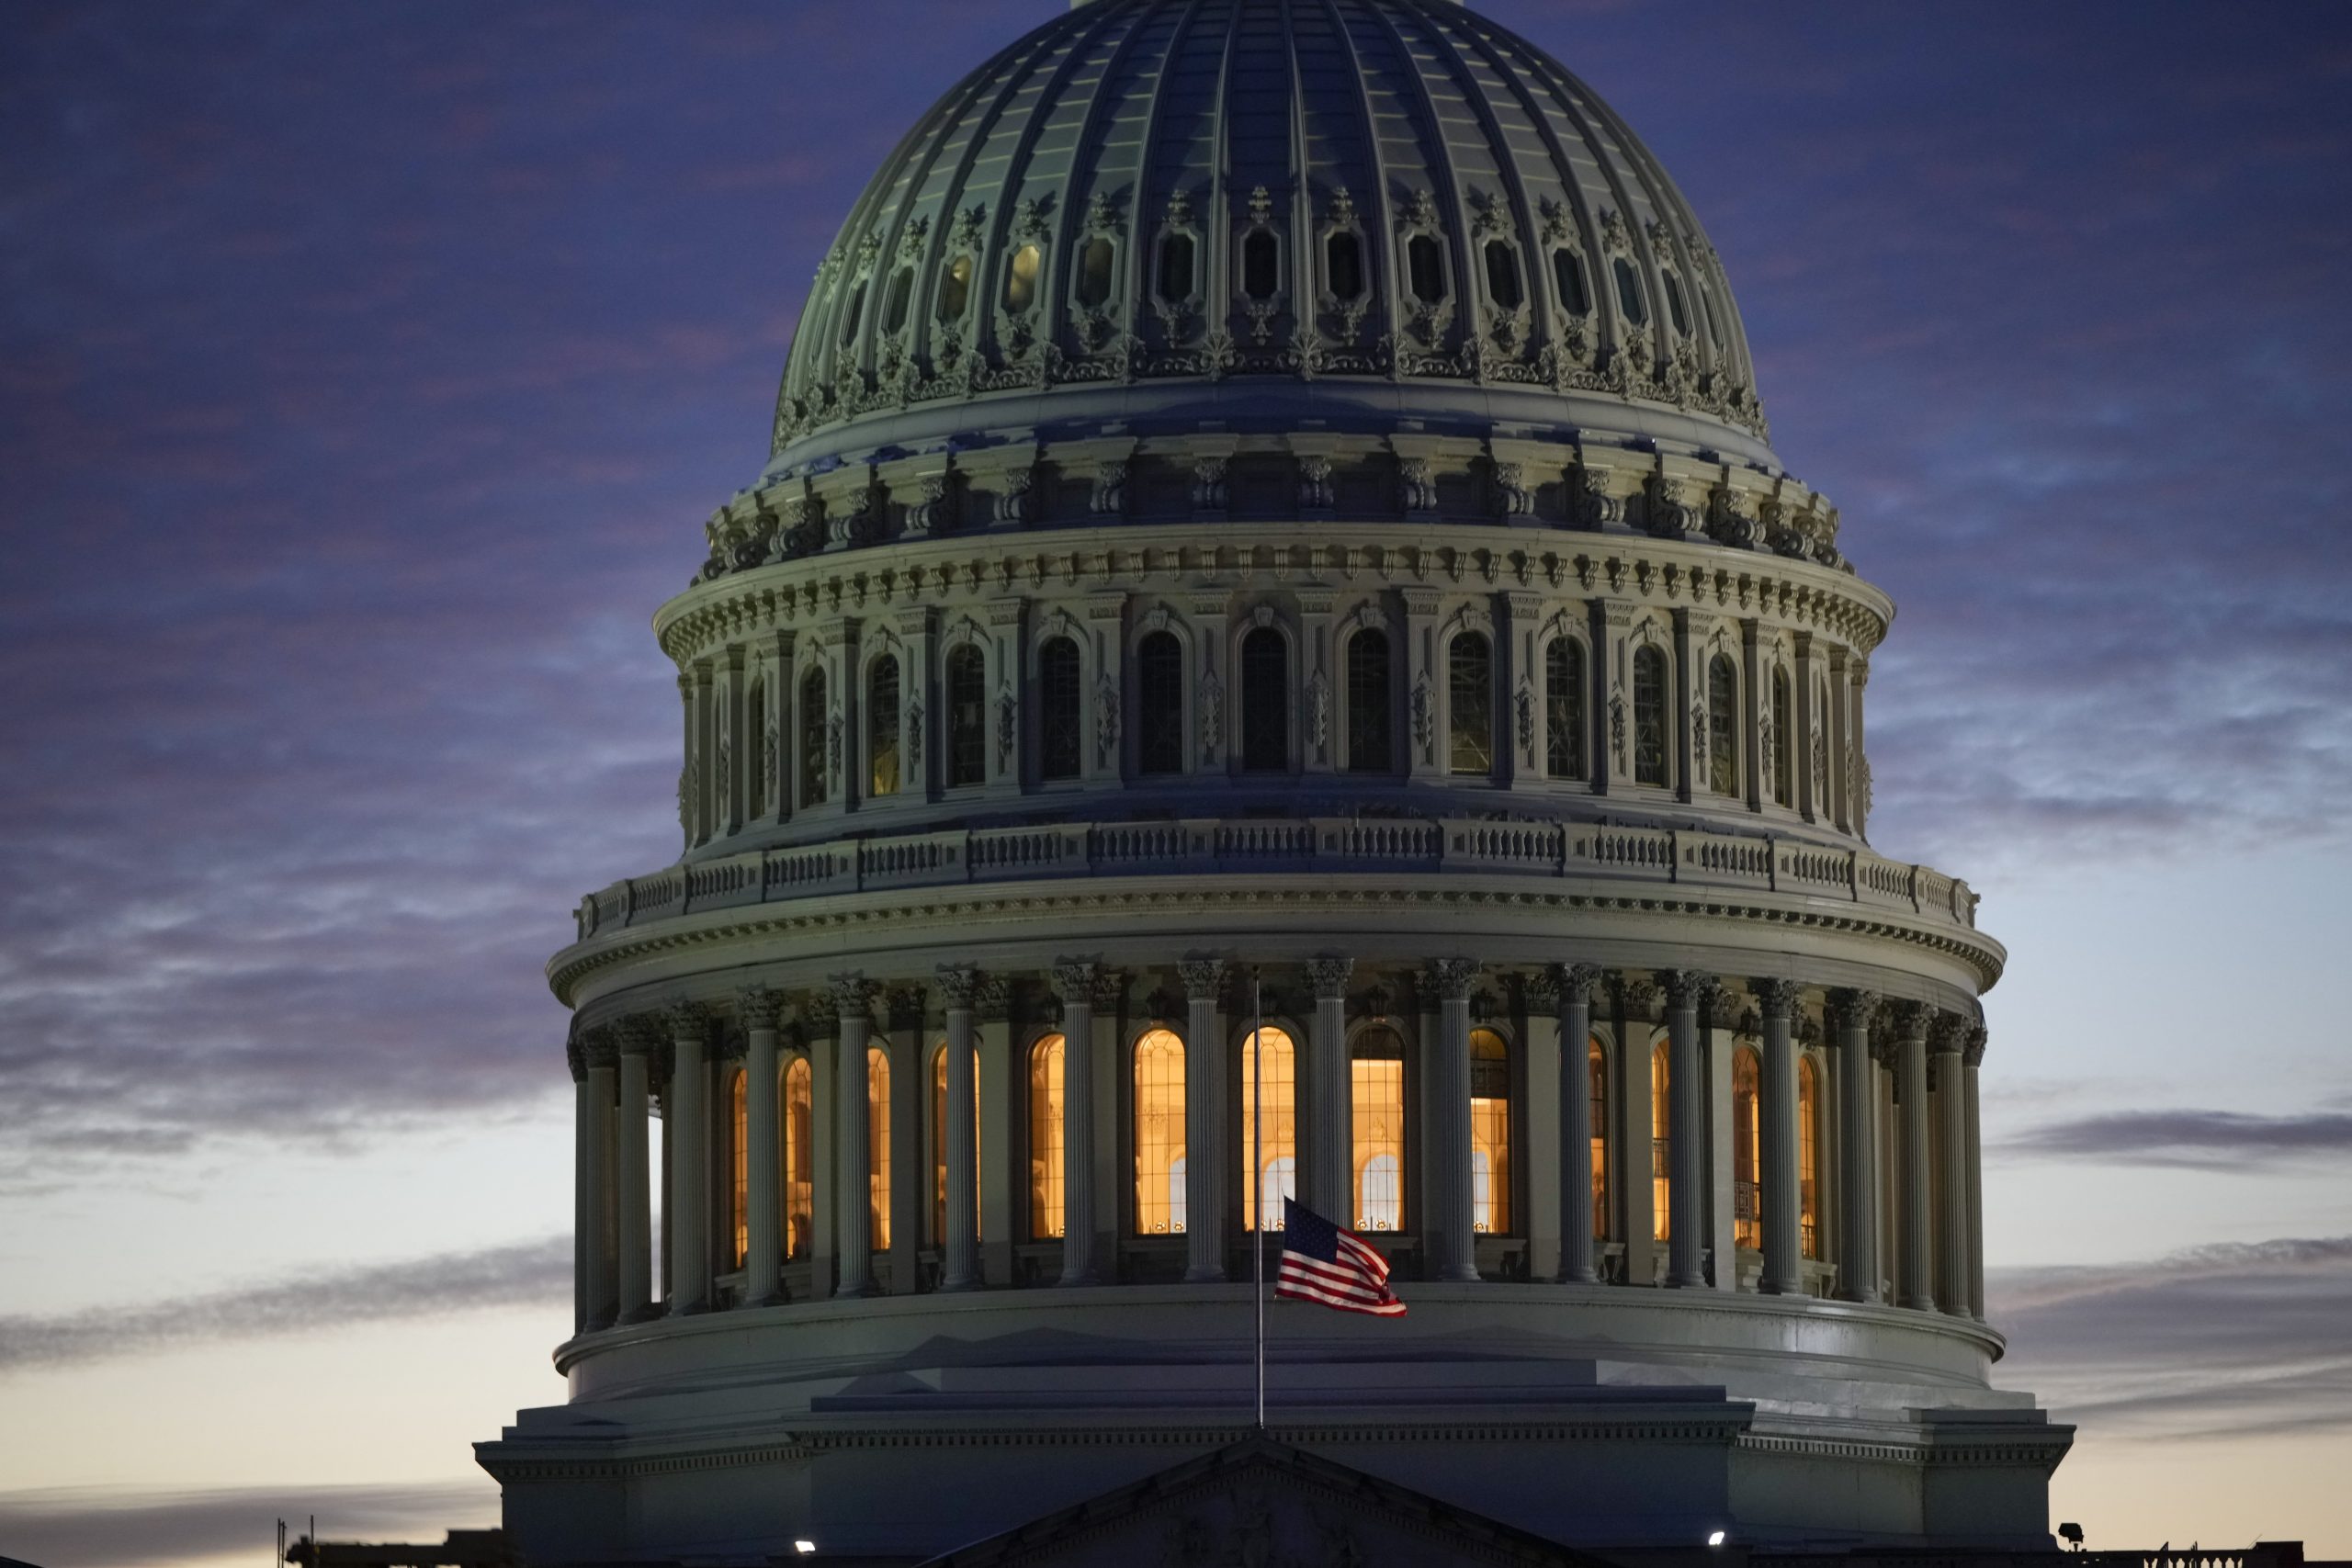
(366, 374)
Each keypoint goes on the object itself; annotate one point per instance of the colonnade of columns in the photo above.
(1894, 1209)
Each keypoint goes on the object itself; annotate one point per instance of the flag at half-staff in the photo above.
(1323, 1263)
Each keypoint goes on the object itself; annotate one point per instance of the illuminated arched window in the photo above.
(799, 1160)
(1159, 1133)
(1045, 1139)
(882, 726)
(1723, 726)
(1062, 726)
(1470, 692)
(1489, 1132)
(1661, 1144)
(1650, 715)
(1747, 1132)
(738, 1163)
(812, 738)
(1597, 1086)
(1783, 729)
(1277, 1175)
(1021, 278)
(1265, 701)
(877, 1143)
(1809, 1156)
(1564, 708)
(1159, 704)
(954, 289)
(967, 716)
(756, 746)
(939, 1145)
(1369, 704)
(1096, 260)
(1377, 1068)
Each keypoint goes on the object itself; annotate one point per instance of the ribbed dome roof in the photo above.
(1161, 215)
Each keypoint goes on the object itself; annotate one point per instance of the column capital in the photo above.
(1073, 981)
(1637, 994)
(1947, 1033)
(852, 995)
(959, 984)
(575, 1056)
(1973, 1048)
(1204, 979)
(1848, 1008)
(905, 1003)
(1777, 998)
(640, 1035)
(1911, 1019)
(992, 998)
(1692, 988)
(1110, 990)
(688, 1022)
(759, 1007)
(1450, 979)
(1330, 977)
(1573, 983)
(601, 1045)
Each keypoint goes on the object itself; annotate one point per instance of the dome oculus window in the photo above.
(1567, 275)
(1176, 268)
(1425, 268)
(956, 289)
(1094, 264)
(1629, 292)
(1261, 265)
(1502, 275)
(1021, 278)
(1343, 266)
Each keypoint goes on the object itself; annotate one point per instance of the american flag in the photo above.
(1323, 1263)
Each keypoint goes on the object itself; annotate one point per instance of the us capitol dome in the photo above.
(1268, 497)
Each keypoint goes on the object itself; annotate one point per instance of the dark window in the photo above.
(1265, 701)
(1094, 272)
(1261, 265)
(1425, 265)
(1564, 709)
(882, 727)
(1783, 790)
(1159, 704)
(1343, 264)
(1061, 731)
(1707, 314)
(1021, 278)
(1369, 700)
(1649, 716)
(1568, 273)
(857, 308)
(1176, 268)
(1674, 304)
(1471, 692)
(968, 709)
(902, 291)
(1629, 292)
(1502, 274)
(954, 289)
(1722, 727)
(812, 738)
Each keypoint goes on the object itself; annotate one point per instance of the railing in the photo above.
(1208, 846)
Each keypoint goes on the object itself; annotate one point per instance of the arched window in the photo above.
(1045, 1139)
(1176, 268)
(1425, 268)
(812, 738)
(954, 289)
(1265, 701)
(739, 1166)
(1783, 788)
(1343, 266)
(1277, 1176)
(1159, 704)
(1470, 691)
(1597, 1087)
(1370, 751)
(882, 726)
(1809, 1156)
(1649, 716)
(1564, 708)
(1376, 1068)
(1502, 275)
(1021, 278)
(1629, 292)
(902, 293)
(755, 726)
(1567, 275)
(939, 1145)
(800, 1159)
(1723, 726)
(877, 1143)
(1159, 1133)
(857, 308)
(1489, 1132)
(1261, 275)
(1061, 728)
(1661, 1144)
(967, 714)
(1674, 304)
(1747, 1134)
(1095, 260)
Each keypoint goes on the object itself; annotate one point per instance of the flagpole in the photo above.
(1258, 1179)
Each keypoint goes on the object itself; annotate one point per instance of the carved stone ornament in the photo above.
(914, 734)
(1318, 710)
(1778, 997)
(1110, 498)
(852, 995)
(1687, 989)
(1699, 736)
(1107, 719)
(1523, 714)
(1204, 979)
(1315, 483)
(1212, 705)
(1073, 981)
(1418, 487)
(1208, 483)
(1330, 976)
(759, 1007)
(1008, 728)
(1424, 715)
(1573, 983)
(1450, 979)
(1596, 508)
(958, 984)
(1512, 498)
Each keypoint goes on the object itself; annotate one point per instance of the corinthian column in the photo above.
(1330, 1095)
(762, 1168)
(689, 1126)
(1685, 991)
(583, 1184)
(1783, 1221)
(1973, 1056)
(604, 1272)
(1575, 984)
(634, 1198)
(854, 1194)
(1456, 1241)
(1074, 983)
(1204, 1134)
(960, 1266)
(1946, 1039)
(1850, 1032)
(1911, 1044)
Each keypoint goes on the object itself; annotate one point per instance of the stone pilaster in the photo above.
(1947, 1038)
(1973, 1058)
(602, 1053)
(688, 1132)
(999, 1081)
(1206, 1155)
(960, 1248)
(1686, 991)
(1781, 1212)
(1074, 983)
(1453, 1243)
(763, 1246)
(1850, 1032)
(1911, 1020)
(1329, 1160)
(1572, 994)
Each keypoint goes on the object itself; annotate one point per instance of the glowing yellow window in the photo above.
(1747, 1200)
(1277, 1175)
(877, 1143)
(1377, 1070)
(1661, 1147)
(738, 1166)
(1045, 1138)
(1809, 1156)
(939, 1145)
(1598, 1065)
(1489, 1132)
(1159, 1133)
(799, 1160)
